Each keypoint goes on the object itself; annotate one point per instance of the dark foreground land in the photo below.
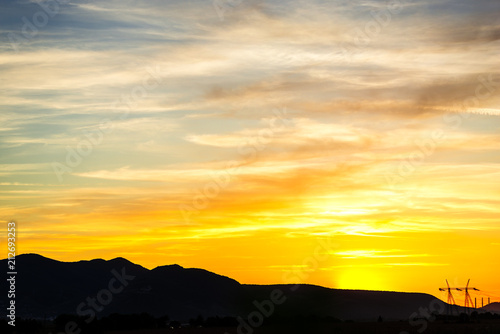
(490, 327)
(84, 298)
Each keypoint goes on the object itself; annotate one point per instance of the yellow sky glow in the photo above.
(269, 146)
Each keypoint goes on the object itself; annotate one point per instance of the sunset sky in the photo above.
(349, 144)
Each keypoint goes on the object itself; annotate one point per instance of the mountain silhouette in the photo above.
(46, 288)
(493, 307)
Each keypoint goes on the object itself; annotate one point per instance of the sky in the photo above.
(349, 144)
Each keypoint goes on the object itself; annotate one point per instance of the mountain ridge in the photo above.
(46, 288)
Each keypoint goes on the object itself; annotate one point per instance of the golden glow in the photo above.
(369, 279)
(257, 147)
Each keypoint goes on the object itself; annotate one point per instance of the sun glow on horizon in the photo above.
(266, 143)
(369, 279)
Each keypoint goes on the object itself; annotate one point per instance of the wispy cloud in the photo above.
(362, 106)
(394, 253)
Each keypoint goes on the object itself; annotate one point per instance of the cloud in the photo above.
(355, 113)
(353, 254)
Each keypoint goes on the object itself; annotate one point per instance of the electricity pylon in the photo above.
(468, 300)
(451, 300)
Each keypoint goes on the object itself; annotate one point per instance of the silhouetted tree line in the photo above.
(462, 318)
(133, 321)
(300, 319)
(79, 324)
(467, 318)
(213, 322)
(22, 326)
(108, 323)
(146, 321)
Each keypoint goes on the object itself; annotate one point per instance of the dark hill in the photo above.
(311, 300)
(493, 307)
(47, 288)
